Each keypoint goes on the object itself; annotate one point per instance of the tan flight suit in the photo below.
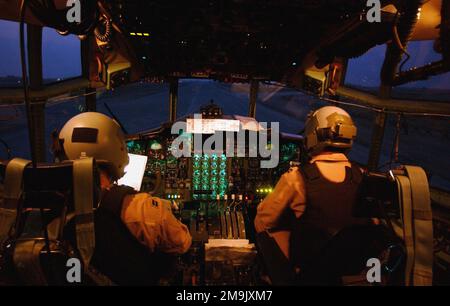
(151, 221)
(290, 194)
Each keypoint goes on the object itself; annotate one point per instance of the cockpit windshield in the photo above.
(423, 141)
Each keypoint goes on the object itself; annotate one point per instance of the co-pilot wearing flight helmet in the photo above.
(148, 219)
(318, 195)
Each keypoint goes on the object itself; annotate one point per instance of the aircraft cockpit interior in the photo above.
(215, 191)
(224, 143)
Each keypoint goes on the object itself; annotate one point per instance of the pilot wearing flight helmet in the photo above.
(148, 219)
(318, 195)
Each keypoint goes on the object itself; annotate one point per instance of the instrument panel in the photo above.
(208, 177)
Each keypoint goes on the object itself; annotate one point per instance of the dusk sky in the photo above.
(61, 59)
(365, 70)
(61, 54)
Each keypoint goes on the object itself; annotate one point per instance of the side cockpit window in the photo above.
(61, 58)
(10, 69)
(430, 133)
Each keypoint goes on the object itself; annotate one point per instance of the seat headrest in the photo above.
(46, 183)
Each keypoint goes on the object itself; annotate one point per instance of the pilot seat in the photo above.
(54, 212)
(402, 239)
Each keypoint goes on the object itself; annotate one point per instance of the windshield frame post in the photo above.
(377, 141)
(253, 98)
(90, 98)
(37, 107)
(378, 131)
(173, 98)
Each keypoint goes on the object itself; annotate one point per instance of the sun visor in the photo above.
(346, 131)
(84, 135)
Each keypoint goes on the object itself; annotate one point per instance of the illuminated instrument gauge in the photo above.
(222, 189)
(135, 147)
(209, 174)
(197, 157)
(155, 145)
(131, 146)
(289, 152)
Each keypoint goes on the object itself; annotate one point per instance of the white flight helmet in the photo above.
(329, 127)
(96, 135)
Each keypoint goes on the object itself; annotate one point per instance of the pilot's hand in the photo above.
(175, 206)
(282, 238)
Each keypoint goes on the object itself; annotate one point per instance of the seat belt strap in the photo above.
(99, 278)
(27, 262)
(83, 186)
(12, 195)
(423, 226)
(404, 195)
